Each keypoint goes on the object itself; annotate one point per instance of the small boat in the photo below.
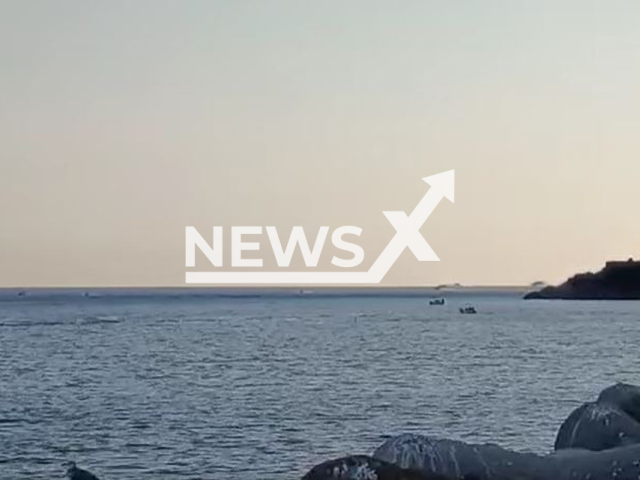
(469, 309)
(437, 301)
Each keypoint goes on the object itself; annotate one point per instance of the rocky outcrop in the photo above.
(616, 281)
(609, 422)
(362, 467)
(598, 441)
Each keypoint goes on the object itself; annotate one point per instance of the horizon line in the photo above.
(253, 287)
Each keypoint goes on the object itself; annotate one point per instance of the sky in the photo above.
(122, 123)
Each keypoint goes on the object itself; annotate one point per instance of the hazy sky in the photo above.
(123, 122)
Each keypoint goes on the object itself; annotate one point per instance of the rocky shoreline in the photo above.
(599, 440)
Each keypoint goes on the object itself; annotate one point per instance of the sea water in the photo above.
(258, 385)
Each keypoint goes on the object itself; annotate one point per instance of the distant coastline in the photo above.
(618, 280)
(105, 293)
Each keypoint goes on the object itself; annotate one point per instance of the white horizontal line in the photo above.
(280, 277)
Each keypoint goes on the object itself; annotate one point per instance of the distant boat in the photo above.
(22, 293)
(437, 301)
(469, 309)
(448, 286)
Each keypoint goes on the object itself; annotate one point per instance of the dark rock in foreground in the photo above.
(490, 462)
(362, 467)
(616, 281)
(457, 459)
(599, 441)
(609, 422)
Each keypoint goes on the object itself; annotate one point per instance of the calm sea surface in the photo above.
(157, 385)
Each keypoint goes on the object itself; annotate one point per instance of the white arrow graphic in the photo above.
(407, 235)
